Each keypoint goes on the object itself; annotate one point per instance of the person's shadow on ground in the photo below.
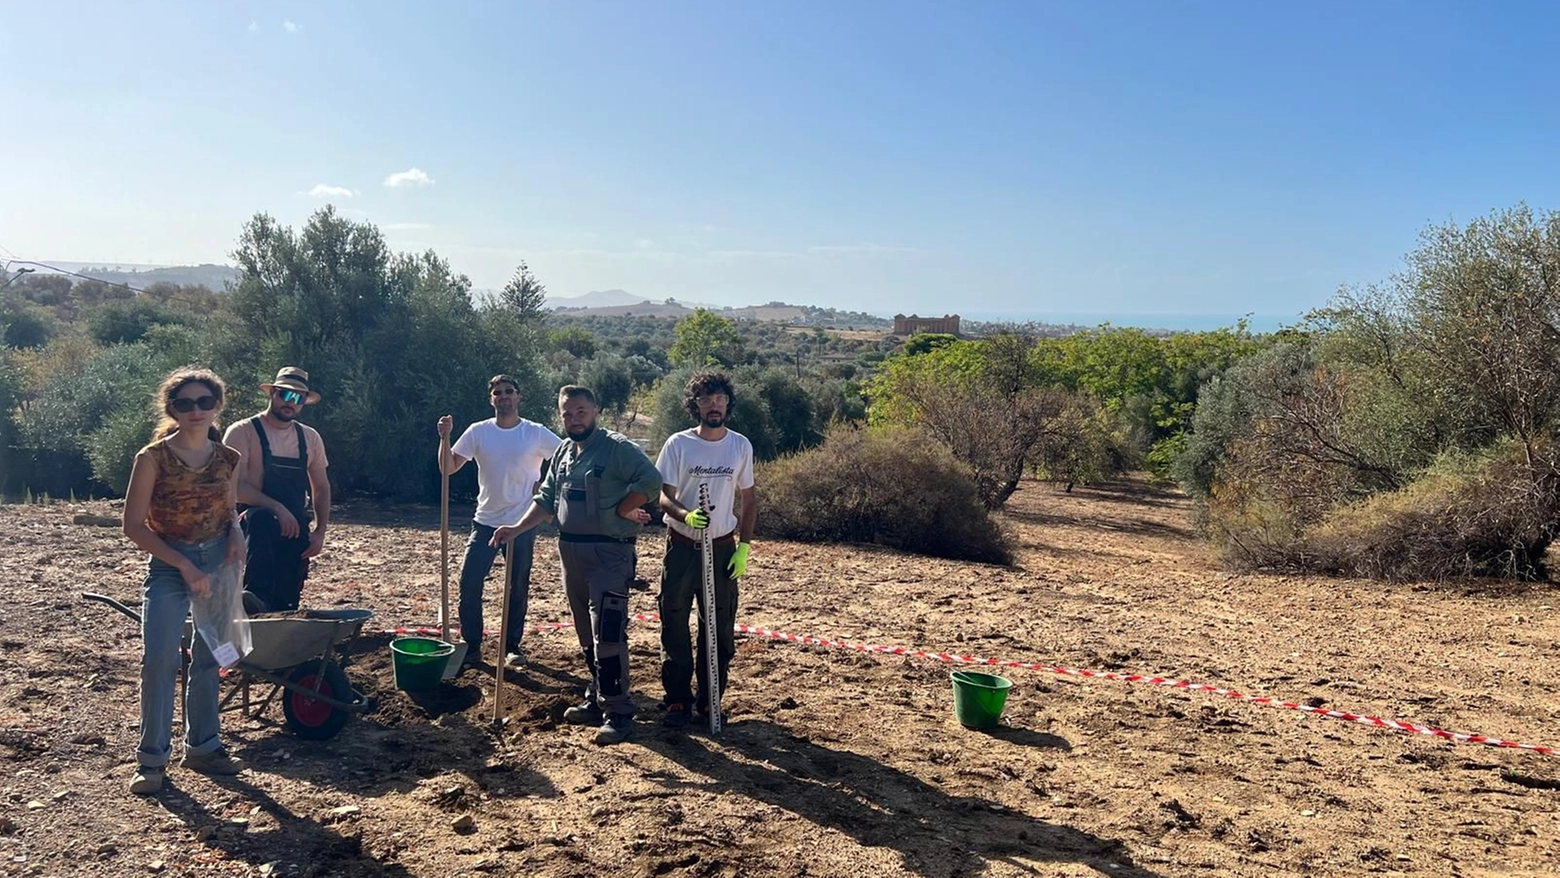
(302, 845)
(880, 806)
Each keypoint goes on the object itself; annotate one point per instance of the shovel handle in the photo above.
(503, 634)
(444, 534)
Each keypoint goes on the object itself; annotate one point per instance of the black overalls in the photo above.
(276, 567)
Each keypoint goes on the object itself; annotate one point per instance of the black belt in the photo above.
(593, 538)
(680, 537)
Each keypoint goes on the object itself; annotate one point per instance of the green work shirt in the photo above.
(584, 486)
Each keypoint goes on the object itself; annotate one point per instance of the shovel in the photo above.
(503, 632)
(459, 655)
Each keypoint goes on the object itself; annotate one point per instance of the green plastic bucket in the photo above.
(419, 662)
(978, 698)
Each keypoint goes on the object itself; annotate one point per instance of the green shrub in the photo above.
(10, 395)
(111, 448)
(888, 485)
(26, 326)
(127, 320)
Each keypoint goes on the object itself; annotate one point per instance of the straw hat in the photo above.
(293, 378)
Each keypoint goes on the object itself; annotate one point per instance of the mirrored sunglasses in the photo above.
(291, 397)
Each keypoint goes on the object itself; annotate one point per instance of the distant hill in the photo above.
(595, 299)
(641, 308)
(214, 277)
(772, 312)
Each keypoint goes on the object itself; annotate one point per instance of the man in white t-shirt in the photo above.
(509, 451)
(721, 460)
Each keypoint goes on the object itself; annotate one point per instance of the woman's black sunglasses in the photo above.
(185, 405)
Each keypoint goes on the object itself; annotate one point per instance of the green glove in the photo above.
(697, 519)
(738, 566)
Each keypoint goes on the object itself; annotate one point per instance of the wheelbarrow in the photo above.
(295, 652)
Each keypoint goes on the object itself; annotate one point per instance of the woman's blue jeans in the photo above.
(163, 610)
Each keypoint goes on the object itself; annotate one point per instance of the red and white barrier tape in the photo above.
(1146, 679)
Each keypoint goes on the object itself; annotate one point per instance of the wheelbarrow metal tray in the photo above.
(285, 641)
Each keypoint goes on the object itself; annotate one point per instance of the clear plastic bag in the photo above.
(220, 616)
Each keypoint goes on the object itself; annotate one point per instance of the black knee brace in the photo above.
(614, 617)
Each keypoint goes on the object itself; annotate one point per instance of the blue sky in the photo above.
(1020, 156)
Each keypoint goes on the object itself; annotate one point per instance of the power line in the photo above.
(59, 270)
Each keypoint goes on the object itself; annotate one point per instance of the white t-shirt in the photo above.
(508, 462)
(686, 462)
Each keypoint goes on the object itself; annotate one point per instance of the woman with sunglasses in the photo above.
(181, 508)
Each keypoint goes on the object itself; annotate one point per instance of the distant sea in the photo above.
(1175, 322)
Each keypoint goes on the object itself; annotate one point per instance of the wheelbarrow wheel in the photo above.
(308, 717)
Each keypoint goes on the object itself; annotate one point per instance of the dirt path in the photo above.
(834, 763)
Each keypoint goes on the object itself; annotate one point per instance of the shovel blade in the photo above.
(452, 669)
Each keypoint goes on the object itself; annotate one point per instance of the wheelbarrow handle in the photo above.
(105, 599)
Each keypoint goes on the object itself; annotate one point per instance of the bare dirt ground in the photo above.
(834, 763)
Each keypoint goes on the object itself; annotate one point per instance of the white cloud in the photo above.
(254, 27)
(409, 177)
(404, 227)
(291, 26)
(324, 190)
(645, 244)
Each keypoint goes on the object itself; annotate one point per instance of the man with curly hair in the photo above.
(720, 459)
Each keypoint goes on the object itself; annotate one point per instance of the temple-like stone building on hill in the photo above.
(948, 323)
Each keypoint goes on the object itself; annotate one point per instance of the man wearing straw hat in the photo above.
(281, 475)
(509, 451)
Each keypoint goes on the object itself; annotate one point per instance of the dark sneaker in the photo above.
(701, 715)
(587, 714)
(615, 730)
(676, 716)
(147, 780)
(217, 762)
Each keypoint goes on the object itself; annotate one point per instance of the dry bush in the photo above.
(891, 486)
(1493, 515)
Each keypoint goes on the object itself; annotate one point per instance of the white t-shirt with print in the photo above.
(508, 462)
(686, 462)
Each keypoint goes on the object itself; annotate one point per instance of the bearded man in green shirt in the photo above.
(596, 488)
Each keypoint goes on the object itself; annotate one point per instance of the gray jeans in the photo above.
(166, 603)
(595, 580)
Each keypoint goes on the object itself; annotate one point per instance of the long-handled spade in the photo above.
(458, 657)
(711, 633)
(503, 632)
